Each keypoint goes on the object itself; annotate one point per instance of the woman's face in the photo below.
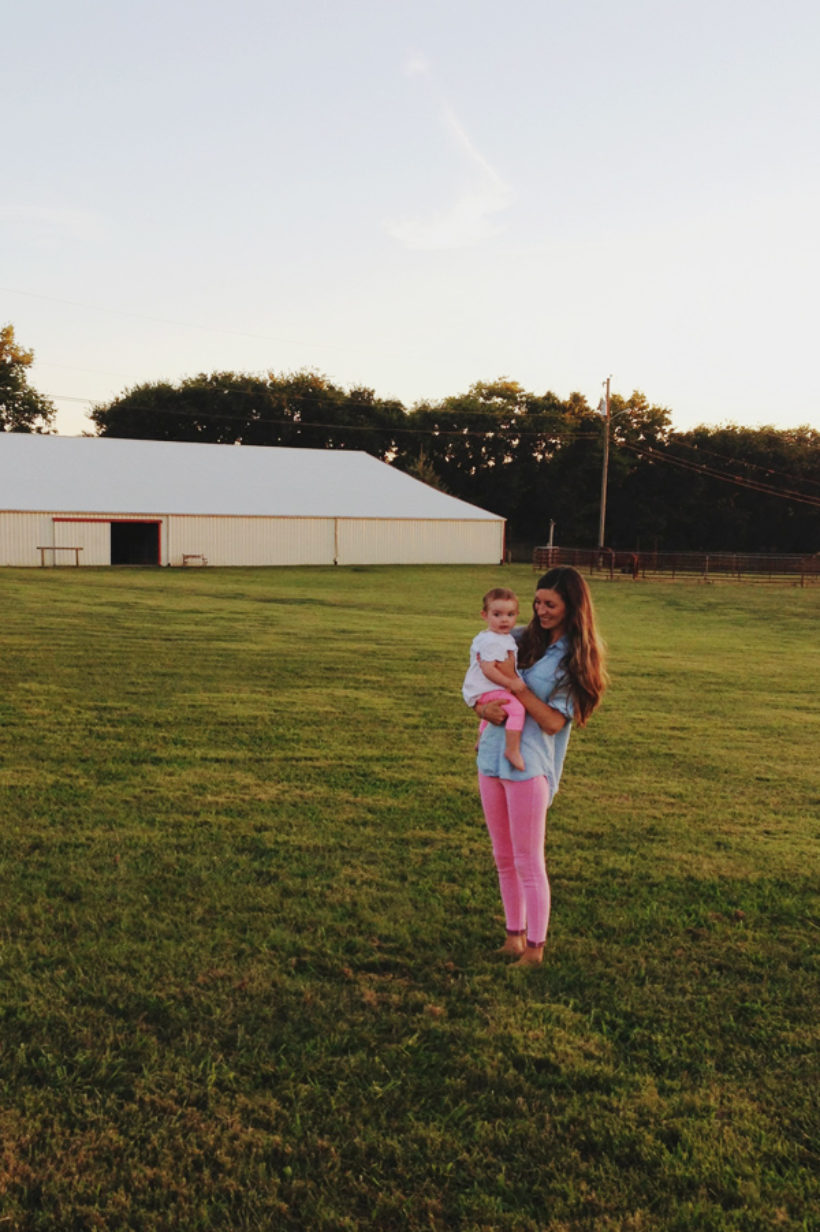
(551, 612)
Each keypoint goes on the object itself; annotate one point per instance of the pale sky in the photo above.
(415, 195)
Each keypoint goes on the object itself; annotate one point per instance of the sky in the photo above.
(415, 195)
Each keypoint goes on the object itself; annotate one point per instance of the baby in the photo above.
(493, 659)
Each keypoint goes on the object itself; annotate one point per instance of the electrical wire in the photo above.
(495, 433)
(515, 433)
(753, 485)
(767, 470)
(208, 329)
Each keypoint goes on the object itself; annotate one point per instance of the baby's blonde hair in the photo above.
(499, 592)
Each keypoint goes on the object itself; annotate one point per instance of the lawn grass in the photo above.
(248, 969)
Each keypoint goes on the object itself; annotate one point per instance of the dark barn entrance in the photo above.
(135, 543)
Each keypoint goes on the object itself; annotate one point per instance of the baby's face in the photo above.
(501, 615)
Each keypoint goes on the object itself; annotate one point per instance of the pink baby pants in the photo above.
(516, 815)
(514, 710)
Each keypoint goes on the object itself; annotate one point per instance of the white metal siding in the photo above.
(22, 533)
(20, 536)
(92, 535)
(257, 540)
(252, 541)
(374, 541)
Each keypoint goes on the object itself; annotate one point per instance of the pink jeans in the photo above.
(516, 815)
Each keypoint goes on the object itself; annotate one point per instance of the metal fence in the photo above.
(701, 566)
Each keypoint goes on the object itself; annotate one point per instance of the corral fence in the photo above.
(694, 566)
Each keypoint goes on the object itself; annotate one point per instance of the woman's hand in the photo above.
(493, 712)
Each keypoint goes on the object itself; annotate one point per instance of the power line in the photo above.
(753, 485)
(511, 431)
(209, 329)
(496, 432)
(767, 470)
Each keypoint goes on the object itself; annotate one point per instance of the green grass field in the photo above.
(249, 914)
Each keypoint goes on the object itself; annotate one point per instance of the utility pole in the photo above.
(604, 469)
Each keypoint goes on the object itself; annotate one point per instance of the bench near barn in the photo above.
(61, 548)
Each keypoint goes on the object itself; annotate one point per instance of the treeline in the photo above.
(531, 458)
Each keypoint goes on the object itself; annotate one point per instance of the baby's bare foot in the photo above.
(515, 759)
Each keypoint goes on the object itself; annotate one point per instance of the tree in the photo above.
(497, 446)
(739, 489)
(296, 410)
(22, 409)
(532, 458)
(423, 470)
(636, 507)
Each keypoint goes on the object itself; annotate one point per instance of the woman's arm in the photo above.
(547, 717)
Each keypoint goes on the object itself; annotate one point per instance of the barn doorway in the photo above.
(135, 543)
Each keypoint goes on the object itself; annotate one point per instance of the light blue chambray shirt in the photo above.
(542, 753)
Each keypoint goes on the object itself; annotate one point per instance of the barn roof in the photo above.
(71, 474)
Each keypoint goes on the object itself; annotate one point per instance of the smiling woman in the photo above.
(561, 660)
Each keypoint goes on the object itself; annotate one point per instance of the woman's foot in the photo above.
(531, 956)
(515, 944)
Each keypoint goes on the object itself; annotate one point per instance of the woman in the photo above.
(561, 660)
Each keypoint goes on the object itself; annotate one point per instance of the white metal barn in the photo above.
(105, 501)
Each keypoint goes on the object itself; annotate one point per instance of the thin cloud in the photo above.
(466, 222)
(470, 218)
(463, 141)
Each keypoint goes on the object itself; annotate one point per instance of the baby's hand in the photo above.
(516, 685)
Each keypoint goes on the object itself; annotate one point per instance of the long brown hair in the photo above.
(584, 662)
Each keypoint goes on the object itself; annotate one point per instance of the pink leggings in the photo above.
(513, 709)
(516, 814)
